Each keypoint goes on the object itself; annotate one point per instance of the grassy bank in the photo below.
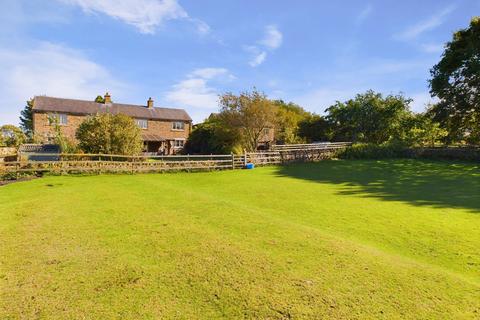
(345, 239)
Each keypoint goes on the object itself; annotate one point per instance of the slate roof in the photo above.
(84, 107)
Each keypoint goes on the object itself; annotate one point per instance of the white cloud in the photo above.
(209, 73)
(364, 14)
(145, 15)
(52, 70)
(196, 90)
(273, 37)
(258, 59)
(271, 41)
(431, 23)
(202, 27)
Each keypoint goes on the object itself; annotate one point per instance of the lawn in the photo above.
(340, 239)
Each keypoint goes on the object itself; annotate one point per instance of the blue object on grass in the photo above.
(249, 166)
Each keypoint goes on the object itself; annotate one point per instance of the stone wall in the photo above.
(44, 130)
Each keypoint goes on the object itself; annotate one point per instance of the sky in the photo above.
(184, 53)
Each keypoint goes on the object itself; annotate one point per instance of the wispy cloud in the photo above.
(273, 37)
(364, 14)
(196, 91)
(145, 15)
(54, 70)
(258, 59)
(428, 24)
(257, 56)
(210, 73)
(271, 41)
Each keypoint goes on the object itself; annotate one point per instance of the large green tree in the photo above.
(288, 117)
(456, 82)
(315, 129)
(369, 117)
(250, 113)
(110, 134)
(213, 137)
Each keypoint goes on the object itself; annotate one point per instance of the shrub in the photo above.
(373, 151)
(110, 134)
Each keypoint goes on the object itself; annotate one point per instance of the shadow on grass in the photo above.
(420, 182)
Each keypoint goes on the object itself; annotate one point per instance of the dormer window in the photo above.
(178, 125)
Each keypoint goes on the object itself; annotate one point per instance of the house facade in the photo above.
(164, 130)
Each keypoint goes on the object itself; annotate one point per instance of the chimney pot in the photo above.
(150, 103)
(107, 98)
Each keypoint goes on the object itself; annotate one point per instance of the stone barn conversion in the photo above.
(164, 130)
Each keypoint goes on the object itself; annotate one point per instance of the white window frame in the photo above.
(142, 121)
(60, 117)
(178, 126)
(175, 143)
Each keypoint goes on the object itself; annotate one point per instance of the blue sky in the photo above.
(184, 53)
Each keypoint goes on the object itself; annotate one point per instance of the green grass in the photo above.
(340, 239)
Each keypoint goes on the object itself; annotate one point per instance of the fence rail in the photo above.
(102, 163)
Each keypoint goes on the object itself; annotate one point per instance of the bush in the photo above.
(110, 134)
(11, 136)
(373, 151)
(212, 137)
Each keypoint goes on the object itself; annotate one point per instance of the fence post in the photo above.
(245, 157)
(233, 161)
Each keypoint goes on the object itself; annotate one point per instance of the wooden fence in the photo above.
(102, 163)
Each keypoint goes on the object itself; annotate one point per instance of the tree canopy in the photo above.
(99, 99)
(456, 82)
(11, 136)
(369, 117)
(212, 137)
(26, 119)
(288, 118)
(249, 113)
(109, 134)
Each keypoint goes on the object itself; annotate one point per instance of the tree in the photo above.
(212, 137)
(250, 113)
(11, 136)
(456, 82)
(65, 144)
(26, 119)
(314, 129)
(110, 134)
(420, 130)
(288, 117)
(100, 99)
(369, 117)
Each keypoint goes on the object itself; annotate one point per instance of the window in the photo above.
(266, 131)
(142, 123)
(60, 118)
(178, 143)
(178, 125)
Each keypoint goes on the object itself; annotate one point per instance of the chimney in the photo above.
(107, 98)
(150, 103)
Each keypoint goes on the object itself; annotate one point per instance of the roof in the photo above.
(84, 107)
(152, 137)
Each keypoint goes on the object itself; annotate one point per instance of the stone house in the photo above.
(164, 130)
